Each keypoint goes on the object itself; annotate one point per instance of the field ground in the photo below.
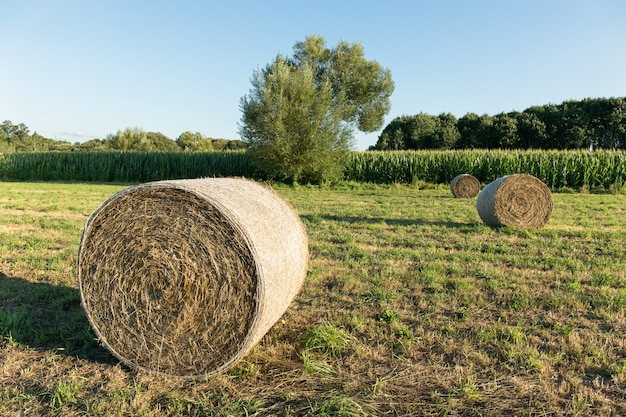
(411, 307)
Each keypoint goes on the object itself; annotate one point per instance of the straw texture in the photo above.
(465, 186)
(519, 201)
(184, 277)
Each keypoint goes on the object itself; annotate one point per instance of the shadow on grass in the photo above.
(47, 317)
(380, 220)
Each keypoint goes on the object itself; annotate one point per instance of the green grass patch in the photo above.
(412, 306)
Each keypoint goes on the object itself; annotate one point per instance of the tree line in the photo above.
(17, 138)
(589, 123)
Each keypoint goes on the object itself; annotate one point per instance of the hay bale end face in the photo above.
(465, 186)
(519, 201)
(183, 278)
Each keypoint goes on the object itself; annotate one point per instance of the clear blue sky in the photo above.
(77, 70)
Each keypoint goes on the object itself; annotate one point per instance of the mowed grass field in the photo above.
(411, 307)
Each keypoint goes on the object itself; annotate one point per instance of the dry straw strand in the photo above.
(519, 201)
(182, 278)
(465, 186)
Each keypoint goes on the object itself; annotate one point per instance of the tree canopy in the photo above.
(595, 123)
(299, 116)
(194, 142)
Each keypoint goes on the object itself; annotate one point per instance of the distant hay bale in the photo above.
(182, 278)
(519, 201)
(465, 186)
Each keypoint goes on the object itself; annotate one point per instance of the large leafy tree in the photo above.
(129, 139)
(360, 89)
(92, 145)
(473, 130)
(397, 135)
(158, 142)
(606, 122)
(447, 131)
(194, 142)
(136, 139)
(299, 116)
(421, 131)
(504, 131)
(531, 130)
(15, 137)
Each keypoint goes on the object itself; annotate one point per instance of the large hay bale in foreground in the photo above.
(465, 186)
(184, 277)
(518, 200)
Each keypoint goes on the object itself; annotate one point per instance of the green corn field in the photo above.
(577, 170)
(557, 169)
(122, 166)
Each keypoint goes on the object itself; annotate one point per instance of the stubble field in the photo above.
(411, 307)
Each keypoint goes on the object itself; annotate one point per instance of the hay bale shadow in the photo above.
(389, 221)
(47, 317)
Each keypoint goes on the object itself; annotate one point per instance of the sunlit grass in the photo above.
(411, 306)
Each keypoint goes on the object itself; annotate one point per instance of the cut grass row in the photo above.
(411, 307)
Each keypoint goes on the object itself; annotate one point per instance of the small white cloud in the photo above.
(76, 135)
(80, 134)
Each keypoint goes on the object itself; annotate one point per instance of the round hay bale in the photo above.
(182, 278)
(518, 200)
(465, 186)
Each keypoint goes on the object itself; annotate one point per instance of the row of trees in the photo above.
(596, 123)
(17, 138)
